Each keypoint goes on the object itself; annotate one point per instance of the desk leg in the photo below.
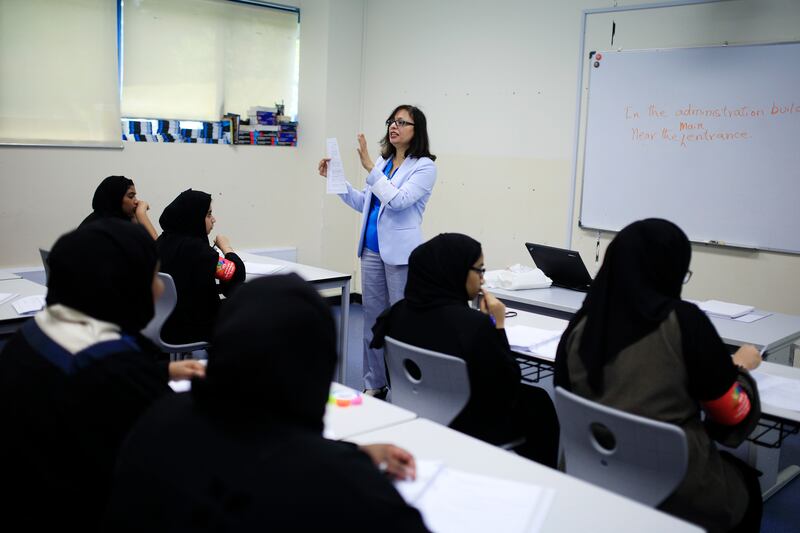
(344, 319)
(767, 461)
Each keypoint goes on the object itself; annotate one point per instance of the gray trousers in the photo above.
(381, 286)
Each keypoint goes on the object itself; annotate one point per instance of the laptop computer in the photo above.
(564, 267)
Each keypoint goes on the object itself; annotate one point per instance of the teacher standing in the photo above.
(398, 187)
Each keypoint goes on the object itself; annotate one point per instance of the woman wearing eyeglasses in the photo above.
(392, 202)
(444, 275)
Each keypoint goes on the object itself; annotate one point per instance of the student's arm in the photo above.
(230, 271)
(141, 218)
(720, 383)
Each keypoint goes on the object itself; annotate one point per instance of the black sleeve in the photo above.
(709, 365)
(561, 374)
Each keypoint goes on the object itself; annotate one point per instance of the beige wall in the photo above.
(498, 84)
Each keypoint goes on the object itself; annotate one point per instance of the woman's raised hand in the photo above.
(363, 153)
(323, 167)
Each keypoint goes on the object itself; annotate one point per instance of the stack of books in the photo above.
(169, 131)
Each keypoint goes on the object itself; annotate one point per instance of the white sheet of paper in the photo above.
(7, 297)
(336, 178)
(752, 317)
(426, 473)
(29, 304)
(456, 501)
(777, 391)
(261, 269)
(724, 309)
(531, 337)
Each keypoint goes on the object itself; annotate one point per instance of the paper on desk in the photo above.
(538, 341)
(261, 269)
(7, 297)
(724, 309)
(29, 304)
(777, 391)
(336, 179)
(456, 501)
(752, 317)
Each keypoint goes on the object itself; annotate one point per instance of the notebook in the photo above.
(564, 267)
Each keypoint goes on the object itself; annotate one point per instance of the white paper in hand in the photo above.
(336, 179)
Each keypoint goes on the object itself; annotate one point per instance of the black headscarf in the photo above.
(273, 354)
(105, 270)
(638, 285)
(438, 269)
(107, 200)
(186, 215)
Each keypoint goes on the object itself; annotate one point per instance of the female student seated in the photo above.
(636, 346)
(115, 197)
(253, 457)
(444, 274)
(75, 378)
(195, 266)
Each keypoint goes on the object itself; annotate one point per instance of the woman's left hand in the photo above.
(363, 153)
(187, 369)
(392, 460)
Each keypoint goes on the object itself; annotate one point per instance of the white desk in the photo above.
(321, 279)
(372, 414)
(10, 321)
(778, 331)
(577, 506)
(6, 274)
(766, 459)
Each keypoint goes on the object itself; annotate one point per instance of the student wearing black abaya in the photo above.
(115, 198)
(75, 378)
(636, 346)
(252, 453)
(444, 274)
(194, 265)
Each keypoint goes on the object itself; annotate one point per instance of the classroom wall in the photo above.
(263, 196)
(498, 84)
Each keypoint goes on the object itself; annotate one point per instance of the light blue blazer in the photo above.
(403, 200)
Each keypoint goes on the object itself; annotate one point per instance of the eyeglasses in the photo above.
(399, 121)
(480, 271)
(687, 277)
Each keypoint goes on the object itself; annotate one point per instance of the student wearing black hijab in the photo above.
(194, 265)
(75, 378)
(636, 346)
(253, 457)
(444, 274)
(115, 197)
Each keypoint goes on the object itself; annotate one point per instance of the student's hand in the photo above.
(393, 461)
(323, 167)
(187, 369)
(141, 208)
(363, 153)
(747, 357)
(494, 307)
(223, 244)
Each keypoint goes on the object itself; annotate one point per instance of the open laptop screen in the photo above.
(564, 267)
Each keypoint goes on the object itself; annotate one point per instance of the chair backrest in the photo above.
(432, 384)
(44, 254)
(163, 309)
(637, 457)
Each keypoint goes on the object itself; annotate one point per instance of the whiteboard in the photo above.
(706, 137)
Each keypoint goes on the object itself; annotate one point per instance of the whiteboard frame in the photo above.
(579, 91)
(726, 244)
